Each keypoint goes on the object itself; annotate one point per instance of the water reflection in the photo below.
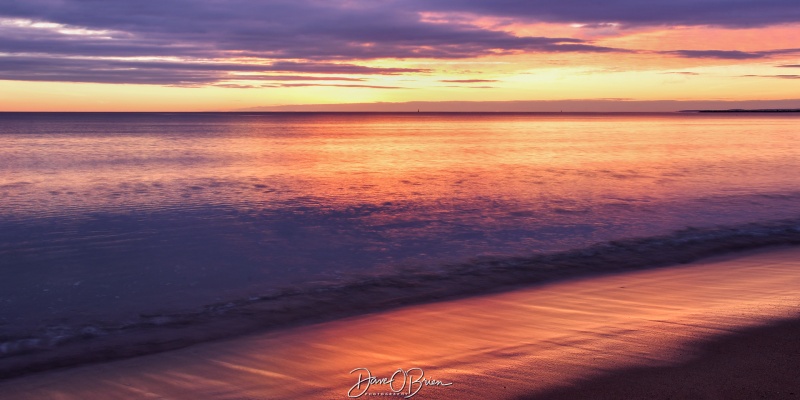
(107, 214)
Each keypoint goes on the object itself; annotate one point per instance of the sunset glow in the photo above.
(479, 199)
(252, 55)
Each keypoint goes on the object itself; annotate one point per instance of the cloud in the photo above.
(338, 68)
(731, 54)
(735, 14)
(275, 29)
(772, 76)
(185, 42)
(179, 73)
(310, 36)
(468, 80)
(718, 54)
(290, 85)
(237, 86)
(300, 78)
(470, 87)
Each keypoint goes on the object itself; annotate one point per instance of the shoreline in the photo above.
(158, 333)
(775, 110)
(531, 341)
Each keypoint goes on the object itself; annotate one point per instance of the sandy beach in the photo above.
(716, 328)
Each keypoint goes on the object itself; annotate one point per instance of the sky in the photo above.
(224, 55)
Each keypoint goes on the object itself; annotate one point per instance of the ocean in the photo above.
(113, 225)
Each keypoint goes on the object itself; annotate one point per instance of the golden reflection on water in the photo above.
(376, 158)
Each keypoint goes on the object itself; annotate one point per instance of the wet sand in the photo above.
(675, 331)
(758, 363)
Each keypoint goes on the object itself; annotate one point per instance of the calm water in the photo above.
(104, 216)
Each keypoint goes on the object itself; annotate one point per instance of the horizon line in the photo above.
(501, 106)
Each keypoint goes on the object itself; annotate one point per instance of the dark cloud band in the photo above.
(737, 14)
(297, 36)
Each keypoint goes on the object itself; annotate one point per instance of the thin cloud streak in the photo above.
(295, 85)
(175, 73)
(772, 76)
(730, 54)
(468, 80)
(291, 85)
(470, 87)
(718, 54)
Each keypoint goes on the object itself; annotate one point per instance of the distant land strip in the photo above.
(739, 110)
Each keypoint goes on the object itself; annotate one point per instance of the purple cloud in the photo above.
(772, 76)
(739, 13)
(730, 54)
(105, 41)
(307, 36)
(274, 29)
(176, 73)
(718, 54)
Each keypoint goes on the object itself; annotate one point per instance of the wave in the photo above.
(59, 346)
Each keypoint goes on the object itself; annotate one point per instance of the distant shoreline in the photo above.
(739, 110)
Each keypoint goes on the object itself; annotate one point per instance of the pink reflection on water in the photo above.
(345, 160)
